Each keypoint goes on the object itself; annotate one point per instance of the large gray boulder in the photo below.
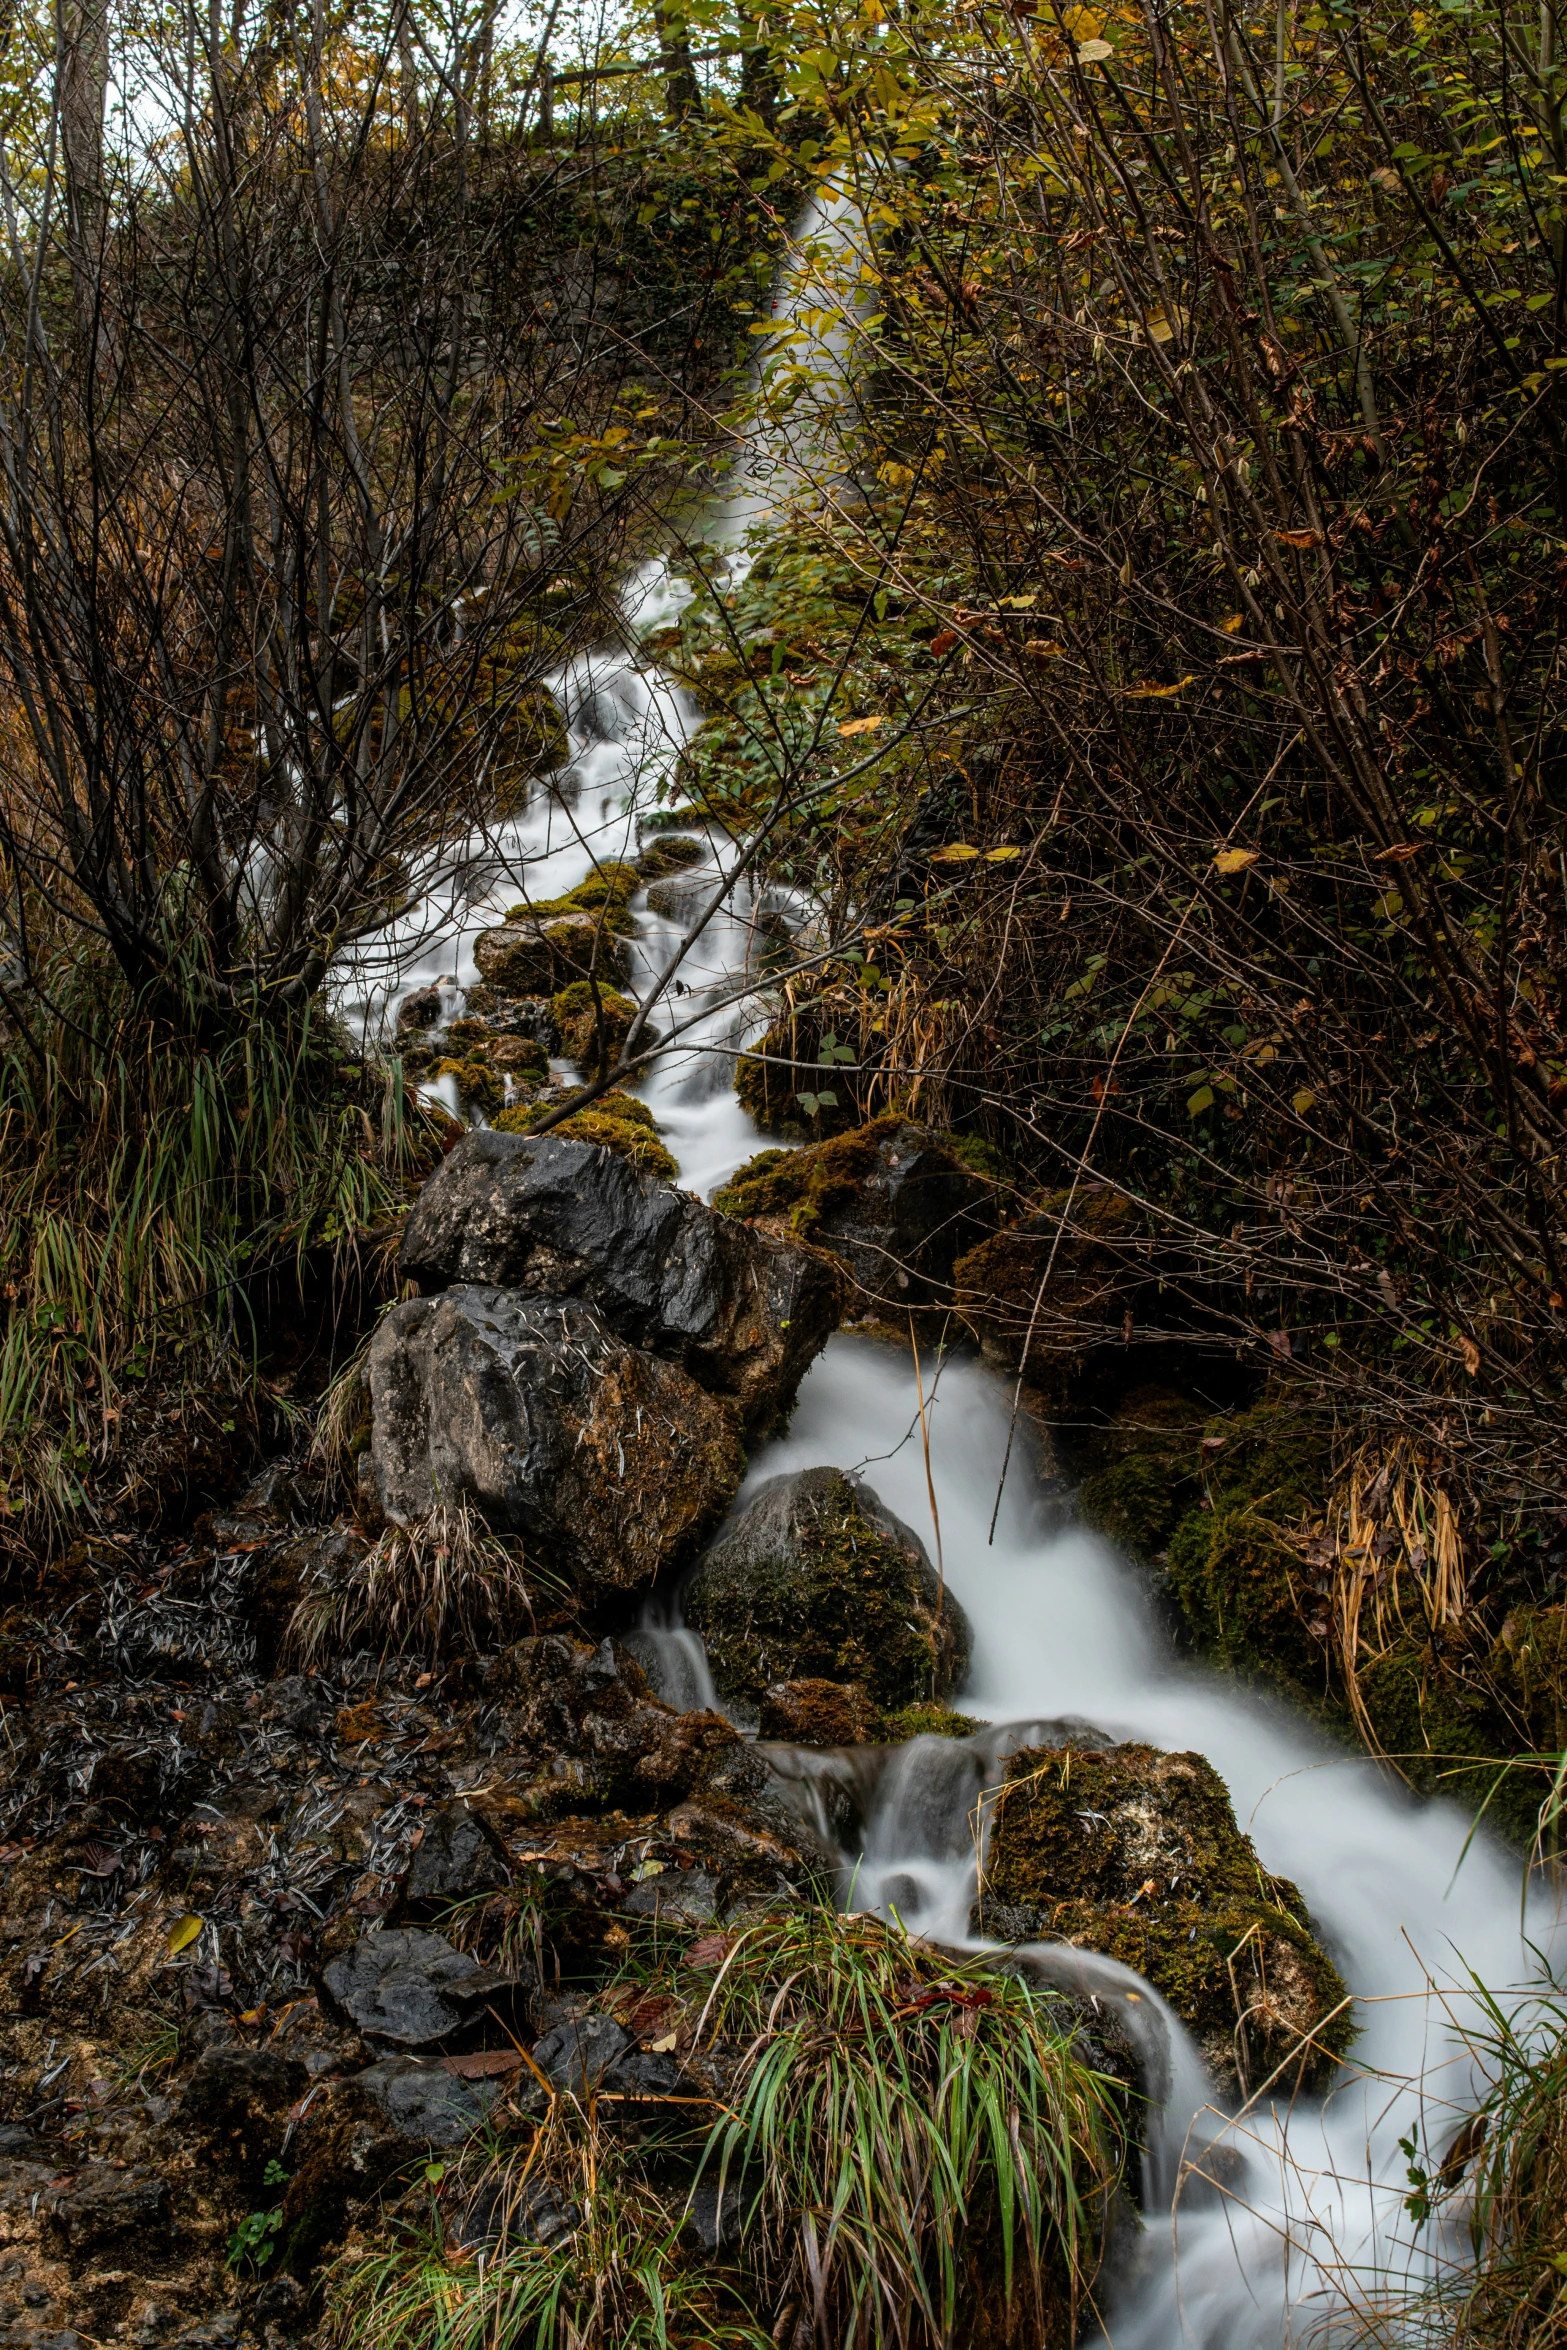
(608, 1462)
(815, 1580)
(742, 1314)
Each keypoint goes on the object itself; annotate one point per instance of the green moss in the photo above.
(808, 1184)
(607, 889)
(476, 1082)
(842, 1600)
(786, 1063)
(927, 1721)
(1436, 1717)
(625, 1138)
(1136, 1853)
(1231, 1571)
(1136, 1501)
(982, 1158)
(577, 1016)
(660, 858)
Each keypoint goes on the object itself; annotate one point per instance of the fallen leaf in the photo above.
(183, 1935)
(484, 2063)
(1148, 691)
(1303, 1101)
(1042, 648)
(712, 1950)
(958, 853)
(1002, 856)
(944, 642)
(1234, 860)
(861, 725)
(1471, 1354)
(1298, 538)
(1235, 621)
(1279, 1340)
(666, 2046)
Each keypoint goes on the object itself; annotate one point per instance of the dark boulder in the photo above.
(745, 1316)
(815, 1580)
(577, 2055)
(895, 1202)
(108, 2206)
(1136, 1853)
(607, 1460)
(407, 1986)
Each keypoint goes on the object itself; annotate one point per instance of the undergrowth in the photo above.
(163, 1166)
(915, 2148)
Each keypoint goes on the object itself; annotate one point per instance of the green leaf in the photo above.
(1201, 1100)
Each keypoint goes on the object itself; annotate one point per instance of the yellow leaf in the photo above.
(1234, 860)
(1298, 538)
(1001, 856)
(1471, 1354)
(861, 725)
(1235, 621)
(1018, 603)
(1303, 1101)
(1040, 648)
(957, 854)
(183, 1935)
(1094, 52)
(1150, 692)
(1164, 324)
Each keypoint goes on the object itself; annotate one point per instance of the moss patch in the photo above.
(477, 1083)
(816, 1589)
(927, 1721)
(625, 1137)
(660, 858)
(1136, 1853)
(577, 1017)
(807, 1185)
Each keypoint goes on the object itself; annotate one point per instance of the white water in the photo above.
(1060, 1627)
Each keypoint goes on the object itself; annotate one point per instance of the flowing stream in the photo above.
(1311, 2225)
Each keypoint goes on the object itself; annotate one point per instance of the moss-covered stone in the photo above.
(1136, 1853)
(533, 954)
(818, 1713)
(625, 1137)
(786, 1063)
(1444, 1720)
(891, 1198)
(673, 853)
(578, 1017)
(477, 1083)
(926, 1721)
(1058, 1289)
(1231, 1571)
(815, 1580)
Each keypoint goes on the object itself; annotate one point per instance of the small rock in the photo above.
(106, 2205)
(713, 2217)
(818, 1713)
(425, 2102)
(690, 1895)
(282, 2301)
(18, 2143)
(404, 1985)
(577, 2055)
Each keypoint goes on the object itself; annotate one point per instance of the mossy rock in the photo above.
(531, 954)
(605, 894)
(926, 1721)
(815, 1580)
(1437, 1720)
(1136, 1853)
(1058, 1292)
(578, 1014)
(1231, 1571)
(818, 1713)
(519, 1056)
(1527, 1670)
(891, 1198)
(673, 853)
(625, 1138)
(477, 1083)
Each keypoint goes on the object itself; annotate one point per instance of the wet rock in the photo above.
(892, 1200)
(282, 2302)
(243, 2095)
(714, 2217)
(107, 2206)
(531, 955)
(687, 1897)
(420, 1009)
(815, 1580)
(594, 1704)
(610, 1461)
(745, 1316)
(458, 1855)
(425, 2102)
(1060, 1282)
(407, 1986)
(670, 853)
(1136, 1853)
(577, 2055)
(818, 1713)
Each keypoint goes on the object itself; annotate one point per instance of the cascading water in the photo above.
(1311, 2224)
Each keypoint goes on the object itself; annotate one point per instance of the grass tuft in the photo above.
(446, 1584)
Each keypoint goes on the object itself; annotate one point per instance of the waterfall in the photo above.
(1289, 2219)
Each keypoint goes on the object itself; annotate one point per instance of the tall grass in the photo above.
(917, 2152)
(162, 1165)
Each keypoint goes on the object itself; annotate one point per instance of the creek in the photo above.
(1311, 2228)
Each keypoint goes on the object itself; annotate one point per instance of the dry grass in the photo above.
(447, 1584)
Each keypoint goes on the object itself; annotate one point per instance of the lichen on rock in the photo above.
(815, 1580)
(1136, 1853)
